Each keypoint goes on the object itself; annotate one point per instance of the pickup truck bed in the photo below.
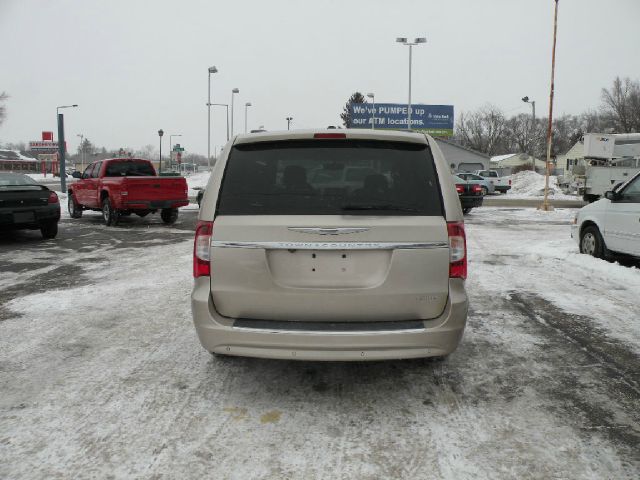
(120, 187)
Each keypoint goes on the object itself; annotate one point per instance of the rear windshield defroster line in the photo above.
(330, 177)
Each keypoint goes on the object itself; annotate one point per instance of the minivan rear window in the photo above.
(330, 177)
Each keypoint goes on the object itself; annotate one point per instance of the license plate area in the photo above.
(24, 217)
(329, 268)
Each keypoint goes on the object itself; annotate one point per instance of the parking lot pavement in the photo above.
(101, 373)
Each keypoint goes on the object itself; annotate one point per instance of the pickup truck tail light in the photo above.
(202, 250)
(53, 198)
(459, 189)
(509, 182)
(457, 250)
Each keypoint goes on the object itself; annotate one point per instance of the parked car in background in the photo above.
(27, 205)
(470, 194)
(485, 184)
(612, 224)
(327, 267)
(501, 184)
(122, 186)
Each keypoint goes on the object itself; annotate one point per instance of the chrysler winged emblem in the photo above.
(328, 231)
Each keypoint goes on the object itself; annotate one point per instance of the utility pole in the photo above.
(546, 206)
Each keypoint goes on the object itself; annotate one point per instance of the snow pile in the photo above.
(197, 181)
(531, 184)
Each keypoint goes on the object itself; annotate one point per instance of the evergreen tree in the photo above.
(357, 97)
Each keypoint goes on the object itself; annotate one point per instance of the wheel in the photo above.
(169, 215)
(484, 191)
(49, 229)
(592, 243)
(109, 214)
(466, 210)
(75, 210)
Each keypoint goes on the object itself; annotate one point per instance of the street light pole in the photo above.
(224, 105)
(289, 122)
(233, 92)
(373, 110)
(160, 134)
(533, 123)
(211, 70)
(404, 41)
(61, 147)
(246, 105)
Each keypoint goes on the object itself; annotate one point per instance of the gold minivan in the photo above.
(330, 245)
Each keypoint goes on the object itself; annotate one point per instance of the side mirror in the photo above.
(613, 196)
(76, 174)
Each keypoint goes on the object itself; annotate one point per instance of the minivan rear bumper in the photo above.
(436, 337)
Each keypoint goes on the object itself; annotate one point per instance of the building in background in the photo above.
(14, 161)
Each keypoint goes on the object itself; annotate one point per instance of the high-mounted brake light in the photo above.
(53, 198)
(329, 135)
(202, 250)
(457, 250)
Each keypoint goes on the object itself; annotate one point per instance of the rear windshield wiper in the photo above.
(385, 206)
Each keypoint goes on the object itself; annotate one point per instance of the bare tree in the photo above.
(3, 109)
(622, 104)
(482, 130)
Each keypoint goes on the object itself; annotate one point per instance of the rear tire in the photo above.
(75, 210)
(592, 243)
(169, 215)
(109, 214)
(49, 229)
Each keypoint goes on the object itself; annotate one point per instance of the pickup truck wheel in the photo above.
(49, 229)
(169, 215)
(592, 243)
(75, 210)
(109, 214)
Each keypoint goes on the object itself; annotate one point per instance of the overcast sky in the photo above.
(137, 66)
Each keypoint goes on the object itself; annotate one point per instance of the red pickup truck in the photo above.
(122, 186)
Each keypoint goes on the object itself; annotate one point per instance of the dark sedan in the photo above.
(27, 205)
(470, 194)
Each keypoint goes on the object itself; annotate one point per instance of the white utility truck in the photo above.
(501, 184)
(610, 159)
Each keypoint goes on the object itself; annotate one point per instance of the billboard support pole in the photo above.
(61, 152)
(409, 104)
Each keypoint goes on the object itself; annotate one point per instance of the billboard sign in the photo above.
(432, 119)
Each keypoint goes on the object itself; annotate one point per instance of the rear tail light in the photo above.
(459, 189)
(457, 250)
(330, 135)
(476, 188)
(202, 250)
(53, 198)
(509, 181)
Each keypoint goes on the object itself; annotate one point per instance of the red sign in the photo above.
(47, 136)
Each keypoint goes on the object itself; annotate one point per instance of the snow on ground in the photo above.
(531, 258)
(529, 184)
(105, 378)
